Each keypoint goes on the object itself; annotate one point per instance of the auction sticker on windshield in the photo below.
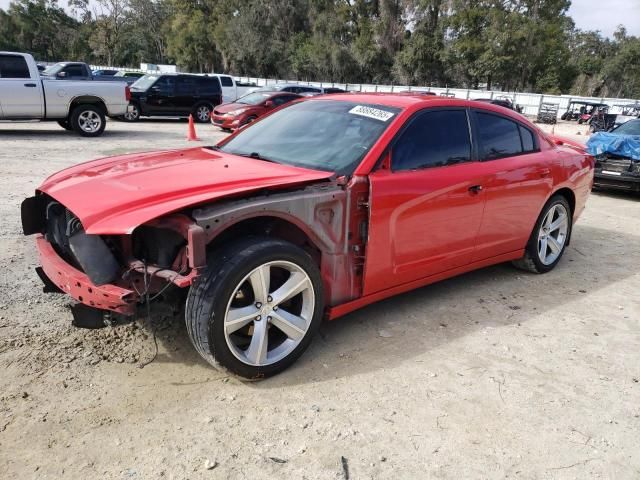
(371, 112)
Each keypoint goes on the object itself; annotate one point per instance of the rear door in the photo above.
(425, 211)
(517, 179)
(20, 95)
(186, 94)
(209, 90)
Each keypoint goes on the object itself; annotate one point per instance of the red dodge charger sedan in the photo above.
(315, 210)
(247, 109)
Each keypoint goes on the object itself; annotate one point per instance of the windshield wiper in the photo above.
(255, 155)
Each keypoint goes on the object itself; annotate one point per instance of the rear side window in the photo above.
(433, 139)
(208, 86)
(186, 86)
(12, 66)
(282, 99)
(226, 81)
(528, 141)
(497, 136)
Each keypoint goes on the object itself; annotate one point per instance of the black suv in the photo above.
(174, 95)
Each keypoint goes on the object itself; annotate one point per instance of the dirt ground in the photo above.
(494, 374)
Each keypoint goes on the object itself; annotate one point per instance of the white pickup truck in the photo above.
(76, 105)
(231, 88)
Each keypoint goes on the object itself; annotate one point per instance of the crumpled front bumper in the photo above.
(76, 284)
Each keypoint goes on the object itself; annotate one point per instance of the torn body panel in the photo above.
(321, 212)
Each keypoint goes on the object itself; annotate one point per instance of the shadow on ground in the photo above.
(390, 332)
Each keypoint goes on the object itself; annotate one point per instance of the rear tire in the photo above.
(88, 120)
(549, 238)
(202, 112)
(238, 315)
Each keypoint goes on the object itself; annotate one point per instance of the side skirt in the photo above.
(343, 309)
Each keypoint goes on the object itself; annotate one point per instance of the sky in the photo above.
(605, 15)
(587, 14)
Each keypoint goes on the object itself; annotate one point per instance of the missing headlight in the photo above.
(157, 246)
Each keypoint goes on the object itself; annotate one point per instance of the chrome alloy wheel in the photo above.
(203, 113)
(89, 121)
(132, 114)
(269, 313)
(553, 234)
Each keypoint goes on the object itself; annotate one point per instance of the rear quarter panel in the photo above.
(577, 171)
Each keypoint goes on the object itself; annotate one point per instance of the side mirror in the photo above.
(268, 104)
(61, 74)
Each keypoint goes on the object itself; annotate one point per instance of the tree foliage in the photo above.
(507, 44)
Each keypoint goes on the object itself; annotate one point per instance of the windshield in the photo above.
(53, 69)
(253, 98)
(324, 135)
(632, 127)
(143, 83)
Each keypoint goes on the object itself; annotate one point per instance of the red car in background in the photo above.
(246, 109)
(322, 207)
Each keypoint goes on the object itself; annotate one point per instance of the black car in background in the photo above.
(502, 102)
(174, 95)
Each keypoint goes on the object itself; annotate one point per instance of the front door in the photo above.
(426, 208)
(20, 95)
(161, 97)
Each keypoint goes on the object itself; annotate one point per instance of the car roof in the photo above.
(275, 93)
(416, 101)
(176, 74)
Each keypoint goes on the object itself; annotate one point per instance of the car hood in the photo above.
(115, 195)
(229, 107)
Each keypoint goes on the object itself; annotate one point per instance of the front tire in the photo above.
(249, 120)
(257, 308)
(549, 238)
(88, 120)
(132, 114)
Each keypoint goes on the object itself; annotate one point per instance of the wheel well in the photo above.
(568, 194)
(87, 100)
(272, 227)
(204, 102)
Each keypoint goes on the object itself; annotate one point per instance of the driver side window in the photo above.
(165, 85)
(433, 139)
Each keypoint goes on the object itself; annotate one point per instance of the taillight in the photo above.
(127, 93)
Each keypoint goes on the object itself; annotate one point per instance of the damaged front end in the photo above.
(617, 172)
(113, 273)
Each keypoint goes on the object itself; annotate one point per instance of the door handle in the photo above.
(475, 188)
(545, 172)
(32, 85)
